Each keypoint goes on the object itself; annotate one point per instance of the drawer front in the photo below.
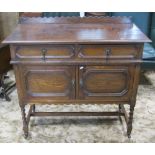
(108, 51)
(44, 51)
(44, 83)
(105, 82)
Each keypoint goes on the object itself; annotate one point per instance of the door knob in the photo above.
(81, 67)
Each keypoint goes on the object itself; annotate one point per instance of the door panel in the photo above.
(49, 82)
(105, 82)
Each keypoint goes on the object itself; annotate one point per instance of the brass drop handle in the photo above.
(44, 51)
(108, 52)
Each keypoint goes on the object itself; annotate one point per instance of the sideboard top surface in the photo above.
(76, 30)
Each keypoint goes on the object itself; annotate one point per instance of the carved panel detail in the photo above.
(52, 82)
(52, 51)
(101, 82)
(115, 51)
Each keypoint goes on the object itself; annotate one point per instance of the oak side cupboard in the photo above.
(73, 60)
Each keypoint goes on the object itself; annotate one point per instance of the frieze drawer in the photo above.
(44, 52)
(108, 51)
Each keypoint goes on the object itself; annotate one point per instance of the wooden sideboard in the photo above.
(73, 60)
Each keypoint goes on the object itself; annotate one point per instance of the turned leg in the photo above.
(25, 124)
(129, 124)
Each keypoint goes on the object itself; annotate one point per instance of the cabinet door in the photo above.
(105, 82)
(46, 83)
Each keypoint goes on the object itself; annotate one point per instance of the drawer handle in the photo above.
(108, 52)
(44, 51)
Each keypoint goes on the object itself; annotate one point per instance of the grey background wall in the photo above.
(152, 33)
(141, 19)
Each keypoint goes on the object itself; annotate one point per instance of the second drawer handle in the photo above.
(44, 51)
(108, 52)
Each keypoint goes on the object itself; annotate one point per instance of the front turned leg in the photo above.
(129, 124)
(25, 124)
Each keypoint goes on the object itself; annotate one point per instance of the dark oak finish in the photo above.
(95, 14)
(44, 52)
(48, 82)
(30, 14)
(108, 51)
(76, 20)
(77, 30)
(77, 61)
(106, 82)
